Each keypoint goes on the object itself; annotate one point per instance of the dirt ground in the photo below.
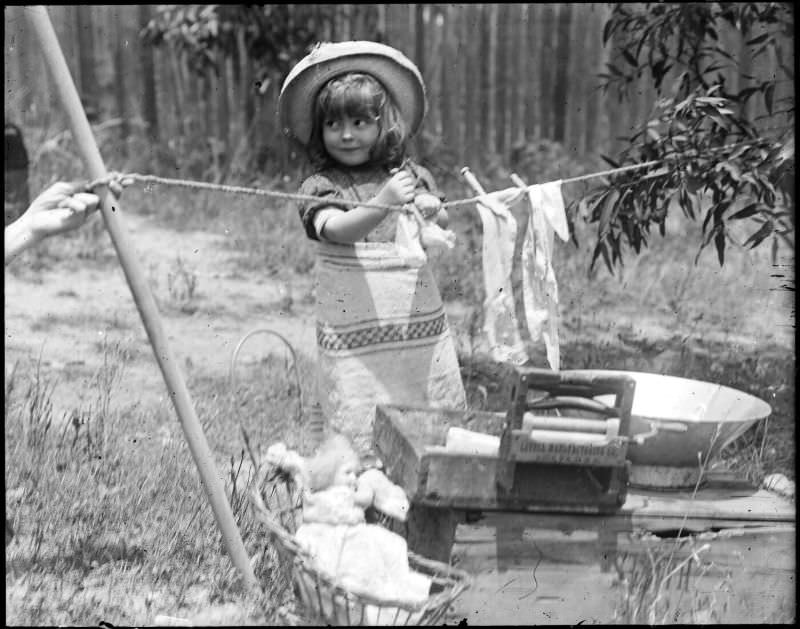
(65, 314)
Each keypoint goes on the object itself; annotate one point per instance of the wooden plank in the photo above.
(709, 504)
(532, 72)
(397, 31)
(397, 452)
(593, 65)
(518, 51)
(433, 53)
(546, 32)
(343, 24)
(420, 26)
(381, 23)
(115, 25)
(451, 87)
(146, 78)
(88, 79)
(468, 50)
(458, 479)
(617, 111)
(577, 96)
(492, 79)
(485, 78)
(501, 43)
(561, 62)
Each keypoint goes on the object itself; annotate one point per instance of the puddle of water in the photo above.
(548, 577)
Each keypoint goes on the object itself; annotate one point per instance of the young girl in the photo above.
(382, 333)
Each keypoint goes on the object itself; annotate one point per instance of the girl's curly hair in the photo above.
(358, 95)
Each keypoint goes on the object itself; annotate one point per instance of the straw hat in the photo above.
(396, 72)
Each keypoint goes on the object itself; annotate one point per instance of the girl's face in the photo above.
(349, 140)
(346, 475)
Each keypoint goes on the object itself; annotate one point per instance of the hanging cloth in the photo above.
(500, 320)
(539, 286)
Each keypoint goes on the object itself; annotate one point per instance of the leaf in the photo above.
(607, 260)
(746, 93)
(745, 212)
(608, 30)
(608, 209)
(630, 58)
(765, 230)
(757, 40)
(610, 161)
(769, 95)
(597, 249)
(709, 214)
(719, 242)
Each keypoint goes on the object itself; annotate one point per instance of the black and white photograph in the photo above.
(400, 314)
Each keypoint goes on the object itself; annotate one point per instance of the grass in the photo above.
(110, 505)
(111, 521)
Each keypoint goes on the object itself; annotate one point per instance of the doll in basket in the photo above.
(366, 559)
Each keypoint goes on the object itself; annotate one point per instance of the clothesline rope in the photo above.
(127, 178)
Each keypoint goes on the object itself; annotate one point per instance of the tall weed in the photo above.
(112, 495)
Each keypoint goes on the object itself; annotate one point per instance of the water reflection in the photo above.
(526, 575)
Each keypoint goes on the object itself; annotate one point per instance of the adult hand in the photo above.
(60, 208)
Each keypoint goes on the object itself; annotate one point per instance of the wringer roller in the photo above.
(560, 446)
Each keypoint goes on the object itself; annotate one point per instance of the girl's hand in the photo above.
(428, 204)
(398, 190)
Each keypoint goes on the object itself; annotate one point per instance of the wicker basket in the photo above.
(278, 506)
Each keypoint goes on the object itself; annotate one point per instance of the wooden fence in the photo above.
(497, 75)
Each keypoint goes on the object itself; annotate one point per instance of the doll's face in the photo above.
(346, 475)
(349, 140)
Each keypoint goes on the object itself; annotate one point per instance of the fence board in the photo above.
(472, 79)
(420, 26)
(576, 87)
(547, 29)
(433, 69)
(593, 96)
(398, 33)
(490, 56)
(518, 50)
(561, 75)
(451, 94)
(501, 78)
(533, 71)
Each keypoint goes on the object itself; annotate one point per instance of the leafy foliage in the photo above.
(275, 36)
(699, 142)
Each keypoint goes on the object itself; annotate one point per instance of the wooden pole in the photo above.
(82, 132)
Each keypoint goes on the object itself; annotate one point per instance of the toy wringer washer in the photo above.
(562, 449)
